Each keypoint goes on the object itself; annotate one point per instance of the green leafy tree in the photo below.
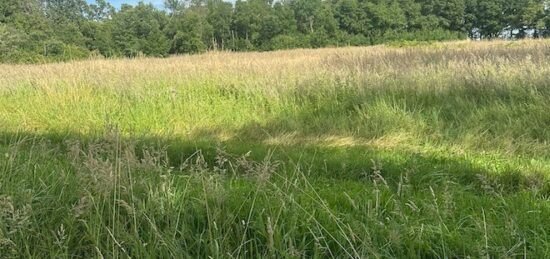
(55, 30)
(219, 18)
(384, 16)
(187, 32)
(139, 30)
(450, 13)
(485, 18)
(101, 10)
(531, 16)
(251, 22)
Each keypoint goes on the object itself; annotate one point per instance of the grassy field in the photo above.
(433, 151)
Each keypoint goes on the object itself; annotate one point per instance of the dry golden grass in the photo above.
(377, 61)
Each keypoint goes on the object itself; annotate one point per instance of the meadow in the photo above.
(437, 150)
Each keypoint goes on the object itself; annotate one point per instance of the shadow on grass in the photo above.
(423, 170)
(485, 115)
(447, 116)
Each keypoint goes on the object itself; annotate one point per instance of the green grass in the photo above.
(428, 151)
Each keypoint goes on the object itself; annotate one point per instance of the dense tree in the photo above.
(189, 31)
(139, 30)
(448, 13)
(248, 20)
(349, 14)
(384, 16)
(487, 19)
(526, 15)
(55, 30)
(546, 19)
(24, 31)
(219, 18)
(101, 10)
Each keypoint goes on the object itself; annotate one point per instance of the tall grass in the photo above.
(437, 150)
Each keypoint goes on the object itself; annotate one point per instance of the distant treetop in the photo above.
(57, 30)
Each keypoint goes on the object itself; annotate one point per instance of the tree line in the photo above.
(56, 30)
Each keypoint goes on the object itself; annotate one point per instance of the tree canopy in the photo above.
(56, 30)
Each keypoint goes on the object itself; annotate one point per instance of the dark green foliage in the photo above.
(219, 17)
(56, 30)
(139, 30)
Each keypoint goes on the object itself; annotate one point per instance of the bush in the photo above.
(53, 48)
(73, 52)
(286, 42)
(318, 39)
(241, 45)
(186, 43)
(346, 39)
